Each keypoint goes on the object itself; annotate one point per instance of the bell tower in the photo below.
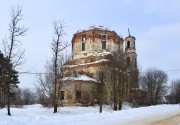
(130, 51)
(130, 58)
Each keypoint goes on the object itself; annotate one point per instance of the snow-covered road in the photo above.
(168, 118)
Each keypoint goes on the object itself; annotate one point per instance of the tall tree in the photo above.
(57, 45)
(3, 78)
(12, 46)
(7, 82)
(154, 83)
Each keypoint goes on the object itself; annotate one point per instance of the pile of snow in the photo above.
(79, 77)
(71, 115)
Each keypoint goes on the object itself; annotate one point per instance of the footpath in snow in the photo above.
(71, 115)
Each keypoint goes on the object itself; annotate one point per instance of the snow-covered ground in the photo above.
(71, 115)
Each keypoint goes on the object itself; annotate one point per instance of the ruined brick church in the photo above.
(93, 51)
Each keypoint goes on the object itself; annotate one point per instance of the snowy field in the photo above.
(38, 115)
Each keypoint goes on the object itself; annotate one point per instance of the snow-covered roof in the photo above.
(94, 27)
(79, 77)
(101, 60)
(103, 53)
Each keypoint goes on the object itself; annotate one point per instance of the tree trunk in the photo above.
(115, 106)
(101, 85)
(55, 87)
(8, 101)
(115, 92)
(100, 107)
(8, 90)
(100, 98)
(55, 108)
(120, 105)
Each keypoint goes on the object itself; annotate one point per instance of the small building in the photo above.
(93, 51)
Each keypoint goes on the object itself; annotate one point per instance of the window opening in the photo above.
(83, 43)
(128, 44)
(103, 44)
(103, 37)
(103, 41)
(78, 95)
(128, 61)
(62, 95)
(83, 46)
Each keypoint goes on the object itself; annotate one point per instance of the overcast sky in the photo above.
(154, 23)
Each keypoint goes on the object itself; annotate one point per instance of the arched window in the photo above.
(103, 41)
(103, 37)
(83, 43)
(128, 61)
(135, 62)
(83, 38)
(83, 46)
(103, 44)
(128, 44)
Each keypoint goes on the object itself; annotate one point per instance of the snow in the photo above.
(101, 60)
(103, 53)
(71, 115)
(92, 27)
(79, 77)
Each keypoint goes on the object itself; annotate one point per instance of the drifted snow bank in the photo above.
(71, 115)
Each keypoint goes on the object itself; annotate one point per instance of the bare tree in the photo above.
(18, 100)
(28, 96)
(44, 86)
(120, 80)
(12, 45)
(114, 82)
(57, 45)
(154, 83)
(175, 92)
(23, 96)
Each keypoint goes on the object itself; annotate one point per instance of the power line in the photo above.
(41, 73)
(174, 70)
(34, 73)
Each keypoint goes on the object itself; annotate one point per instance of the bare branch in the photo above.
(15, 31)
